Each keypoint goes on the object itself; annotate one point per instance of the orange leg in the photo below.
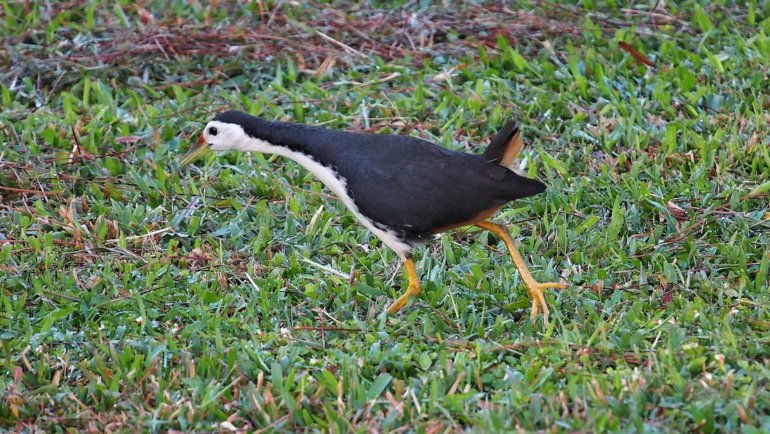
(413, 289)
(534, 287)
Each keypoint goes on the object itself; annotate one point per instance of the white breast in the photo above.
(338, 186)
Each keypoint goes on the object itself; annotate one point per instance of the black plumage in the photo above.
(405, 184)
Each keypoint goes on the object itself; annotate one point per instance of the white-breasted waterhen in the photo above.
(403, 189)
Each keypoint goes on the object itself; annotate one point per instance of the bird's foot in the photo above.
(412, 290)
(398, 304)
(401, 301)
(538, 298)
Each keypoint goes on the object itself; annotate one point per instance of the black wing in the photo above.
(415, 186)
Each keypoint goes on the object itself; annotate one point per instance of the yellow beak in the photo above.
(194, 153)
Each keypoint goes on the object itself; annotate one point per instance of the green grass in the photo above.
(137, 297)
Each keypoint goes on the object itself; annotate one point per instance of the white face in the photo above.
(221, 136)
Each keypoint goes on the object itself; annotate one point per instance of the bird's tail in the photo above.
(505, 147)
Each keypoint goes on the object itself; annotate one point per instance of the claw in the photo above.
(538, 297)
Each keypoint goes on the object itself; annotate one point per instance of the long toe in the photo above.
(398, 304)
(536, 291)
(538, 302)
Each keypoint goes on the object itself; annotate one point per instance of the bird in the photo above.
(403, 189)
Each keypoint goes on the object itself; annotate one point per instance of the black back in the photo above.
(406, 184)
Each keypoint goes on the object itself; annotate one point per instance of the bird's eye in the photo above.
(213, 131)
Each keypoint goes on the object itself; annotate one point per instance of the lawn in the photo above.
(237, 295)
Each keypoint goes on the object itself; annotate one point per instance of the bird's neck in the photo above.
(295, 141)
(283, 138)
(311, 147)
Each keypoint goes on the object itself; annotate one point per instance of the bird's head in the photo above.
(223, 136)
(219, 135)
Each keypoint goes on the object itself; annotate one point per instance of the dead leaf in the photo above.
(144, 15)
(12, 404)
(67, 213)
(198, 258)
(228, 426)
(128, 139)
(636, 54)
(597, 287)
(13, 398)
(677, 211)
(8, 268)
(443, 76)
(112, 229)
(435, 429)
(325, 67)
